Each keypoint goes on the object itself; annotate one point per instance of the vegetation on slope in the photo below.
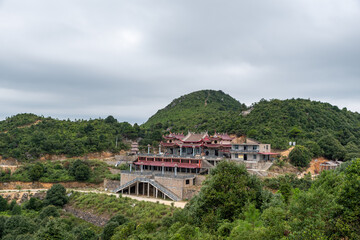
(40, 219)
(276, 122)
(72, 138)
(324, 129)
(200, 111)
(92, 171)
(326, 208)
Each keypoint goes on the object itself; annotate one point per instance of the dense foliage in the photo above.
(61, 171)
(234, 205)
(300, 156)
(324, 129)
(33, 220)
(275, 121)
(72, 138)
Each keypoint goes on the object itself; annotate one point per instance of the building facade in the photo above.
(246, 149)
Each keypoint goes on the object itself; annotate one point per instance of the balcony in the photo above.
(244, 151)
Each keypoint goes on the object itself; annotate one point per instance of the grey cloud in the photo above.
(129, 58)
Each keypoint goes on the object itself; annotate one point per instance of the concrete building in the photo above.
(176, 172)
(251, 152)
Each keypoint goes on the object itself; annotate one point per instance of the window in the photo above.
(254, 147)
(254, 156)
(236, 155)
(267, 147)
(187, 181)
(236, 147)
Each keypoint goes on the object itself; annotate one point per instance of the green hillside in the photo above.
(276, 121)
(199, 111)
(28, 137)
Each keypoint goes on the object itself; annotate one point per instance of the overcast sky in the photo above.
(94, 58)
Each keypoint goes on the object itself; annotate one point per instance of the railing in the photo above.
(155, 184)
(244, 151)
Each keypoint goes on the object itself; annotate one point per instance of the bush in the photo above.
(3, 204)
(49, 211)
(36, 172)
(16, 210)
(80, 170)
(56, 196)
(33, 204)
(300, 156)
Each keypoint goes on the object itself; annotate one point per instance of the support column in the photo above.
(143, 189)
(148, 192)
(141, 168)
(162, 171)
(156, 193)
(129, 190)
(130, 167)
(148, 148)
(193, 151)
(159, 148)
(137, 188)
(180, 150)
(175, 169)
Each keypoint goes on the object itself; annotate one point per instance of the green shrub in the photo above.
(56, 196)
(300, 156)
(49, 211)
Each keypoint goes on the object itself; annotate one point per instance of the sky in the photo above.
(82, 59)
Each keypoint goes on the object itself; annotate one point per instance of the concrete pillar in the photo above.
(159, 148)
(129, 190)
(148, 192)
(141, 168)
(156, 193)
(137, 188)
(148, 148)
(193, 150)
(130, 167)
(175, 169)
(143, 189)
(180, 150)
(162, 170)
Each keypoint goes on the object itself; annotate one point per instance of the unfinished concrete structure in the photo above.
(253, 154)
(176, 172)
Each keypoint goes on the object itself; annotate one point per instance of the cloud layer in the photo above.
(89, 59)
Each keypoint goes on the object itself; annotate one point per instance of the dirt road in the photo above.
(138, 198)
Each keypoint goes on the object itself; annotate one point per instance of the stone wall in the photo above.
(40, 185)
(111, 185)
(87, 216)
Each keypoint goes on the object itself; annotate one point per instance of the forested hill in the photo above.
(27, 137)
(274, 121)
(325, 129)
(201, 111)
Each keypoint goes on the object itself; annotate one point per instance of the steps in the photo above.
(154, 183)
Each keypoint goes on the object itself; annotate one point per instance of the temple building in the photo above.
(176, 171)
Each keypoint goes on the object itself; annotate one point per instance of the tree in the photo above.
(49, 211)
(36, 171)
(300, 156)
(294, 132)
(224, 194)
(314, 148)
(34, 204)
(16, 210)
(332, 147)
(3, 204)
(80, 170)
(56, 196)
(349, 220)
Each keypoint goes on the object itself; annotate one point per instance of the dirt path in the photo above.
(138, 198)
(27, 125)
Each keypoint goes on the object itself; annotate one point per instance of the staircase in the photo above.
(154, 183)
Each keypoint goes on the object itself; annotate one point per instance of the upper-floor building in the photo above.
(247, 149)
